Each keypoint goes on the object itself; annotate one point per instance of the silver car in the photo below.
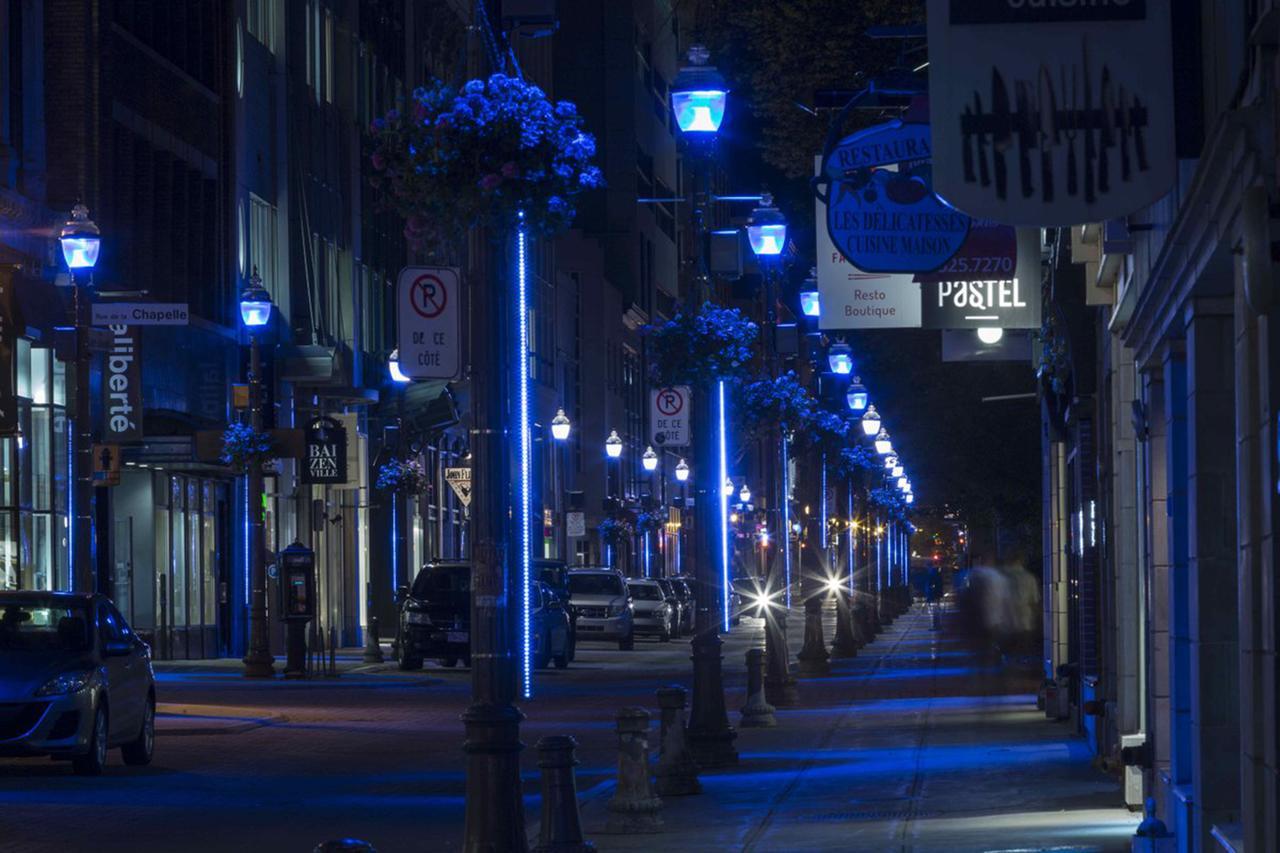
(652, 612)
(74, 681)
(603, 608)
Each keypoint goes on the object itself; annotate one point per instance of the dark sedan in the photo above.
(74, 681)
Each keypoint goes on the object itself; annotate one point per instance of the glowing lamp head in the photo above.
(682, 471)
(613, 445)
(810, 303)
(80, 240)
(883, 446)
(698, 94)
(255, 303)
(764, 538)
(840, 358)
(902, 483)
(870, 422)
(393, 367)
(898, 470)
(649, 459)
(990, 334)
(767, 229)
(728, 486)
(891, 461)
(910, 498)
(857, 396)
(560, 426)
(745, 494)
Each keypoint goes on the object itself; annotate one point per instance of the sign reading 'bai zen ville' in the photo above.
(325, 462)
(882, 213)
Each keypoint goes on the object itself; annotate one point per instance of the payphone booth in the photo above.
(297, 572)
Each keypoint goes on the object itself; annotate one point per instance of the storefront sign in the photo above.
(973, 300)
(122, 386)
(324, 460)
(459, 479)
(852, 298)
(429, 309)
(1049, 112)
(575, 524)
(882, 214)
(140, 314)
(669, 416)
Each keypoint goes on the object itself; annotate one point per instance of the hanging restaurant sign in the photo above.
(324, 461)
(882, 213)
(1051, 113)
(987, 293)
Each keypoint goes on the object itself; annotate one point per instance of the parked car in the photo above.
(688, 604)
(555, 574)
(677, 606)
(75, 681)
(652, 612)
(600, 598)
(435, 616)
(548, 628)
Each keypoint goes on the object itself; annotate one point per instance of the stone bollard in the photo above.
(813, 657)
(676, 771)
(561, 830)
(372, 643)
(634, 807)
(756, 713)
(779, 684)
(845, 643)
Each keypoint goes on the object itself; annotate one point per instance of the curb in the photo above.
(243, 719)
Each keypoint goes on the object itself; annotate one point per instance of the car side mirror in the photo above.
(116, 648)
(402, 592)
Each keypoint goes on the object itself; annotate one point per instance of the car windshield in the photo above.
(595, 585)
(42, 627)
(646, 592)
(441, 581)
(552, 576)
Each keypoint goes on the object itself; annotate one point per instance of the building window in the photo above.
(262, 245)
(261, 20)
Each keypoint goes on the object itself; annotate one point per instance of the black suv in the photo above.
(435, 616)
(555, 574)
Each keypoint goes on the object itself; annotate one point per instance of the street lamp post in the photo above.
(255, 313)
(613, 457)
(560, 428)
(81, 242)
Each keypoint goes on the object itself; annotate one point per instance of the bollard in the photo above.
(757, 712)
(845, 643)
(813, 657)
(779, 684)
(676, 771)
(1152, 836)
(634, 807)
(372, 642)
(561, 830)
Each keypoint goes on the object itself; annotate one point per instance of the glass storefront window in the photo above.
(8, 552)
(41, 385)
(23, 354)
(209, 552)
(178, 553)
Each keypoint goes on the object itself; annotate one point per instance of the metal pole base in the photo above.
(495, 806)
(372, 643)
(779, 683)
(845, 643)
(259, 665)
(561, 828)
(710, 736)
(296, 648)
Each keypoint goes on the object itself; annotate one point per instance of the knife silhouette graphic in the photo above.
(1003, 136)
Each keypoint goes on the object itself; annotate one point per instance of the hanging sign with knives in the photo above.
(1047, 115)
(882, 213)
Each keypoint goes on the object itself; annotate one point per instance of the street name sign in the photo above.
(140, 314)
(669, 416)
(429, 310)
(459, 479)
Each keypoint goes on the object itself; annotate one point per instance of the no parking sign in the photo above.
(430, 331)
(669, 416)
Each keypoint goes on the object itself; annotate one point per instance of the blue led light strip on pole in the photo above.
(724, 515)
(786, 522)
(71, 513)
(395, 544)
(645, 540)
(526, 521)
(852, 533)
(822, 510)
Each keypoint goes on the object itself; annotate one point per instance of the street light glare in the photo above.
(990, 334)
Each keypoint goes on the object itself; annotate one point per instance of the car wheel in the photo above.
(562, 660)
(664, 635)
(573, 645)
(449, 661)
(92, 762)
(543, 657)
(137, 752)
(629, 643)
(405, 659)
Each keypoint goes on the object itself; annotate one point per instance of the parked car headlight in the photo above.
(618, 609)
(413, 617)
(67, 682)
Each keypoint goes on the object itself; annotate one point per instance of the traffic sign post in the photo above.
(669, 416)
(430, 328)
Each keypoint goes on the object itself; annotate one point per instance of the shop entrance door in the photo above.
(122, 568)
(196, 560)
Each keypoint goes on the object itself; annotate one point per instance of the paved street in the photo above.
(909, 746)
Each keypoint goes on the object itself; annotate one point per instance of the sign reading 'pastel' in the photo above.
(1051, 113)
(883, 219)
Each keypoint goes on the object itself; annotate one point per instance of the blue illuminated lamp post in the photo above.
(857, 396)
(810, 298)
(398, 376)
(883, 446)
(767, 229)
(870, 422)
(81, 241)
(255, 313)
(560, 428)
(699, 94)
(840, 358)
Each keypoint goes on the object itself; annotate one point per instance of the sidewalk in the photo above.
(909, 746)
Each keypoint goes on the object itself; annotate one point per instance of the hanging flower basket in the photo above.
(404, 476)
(616, 531)
(243, 447)
(782, 402)
(826, 433)
(701, 349)
(853, 460)
(481, 155)
(651, 521)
